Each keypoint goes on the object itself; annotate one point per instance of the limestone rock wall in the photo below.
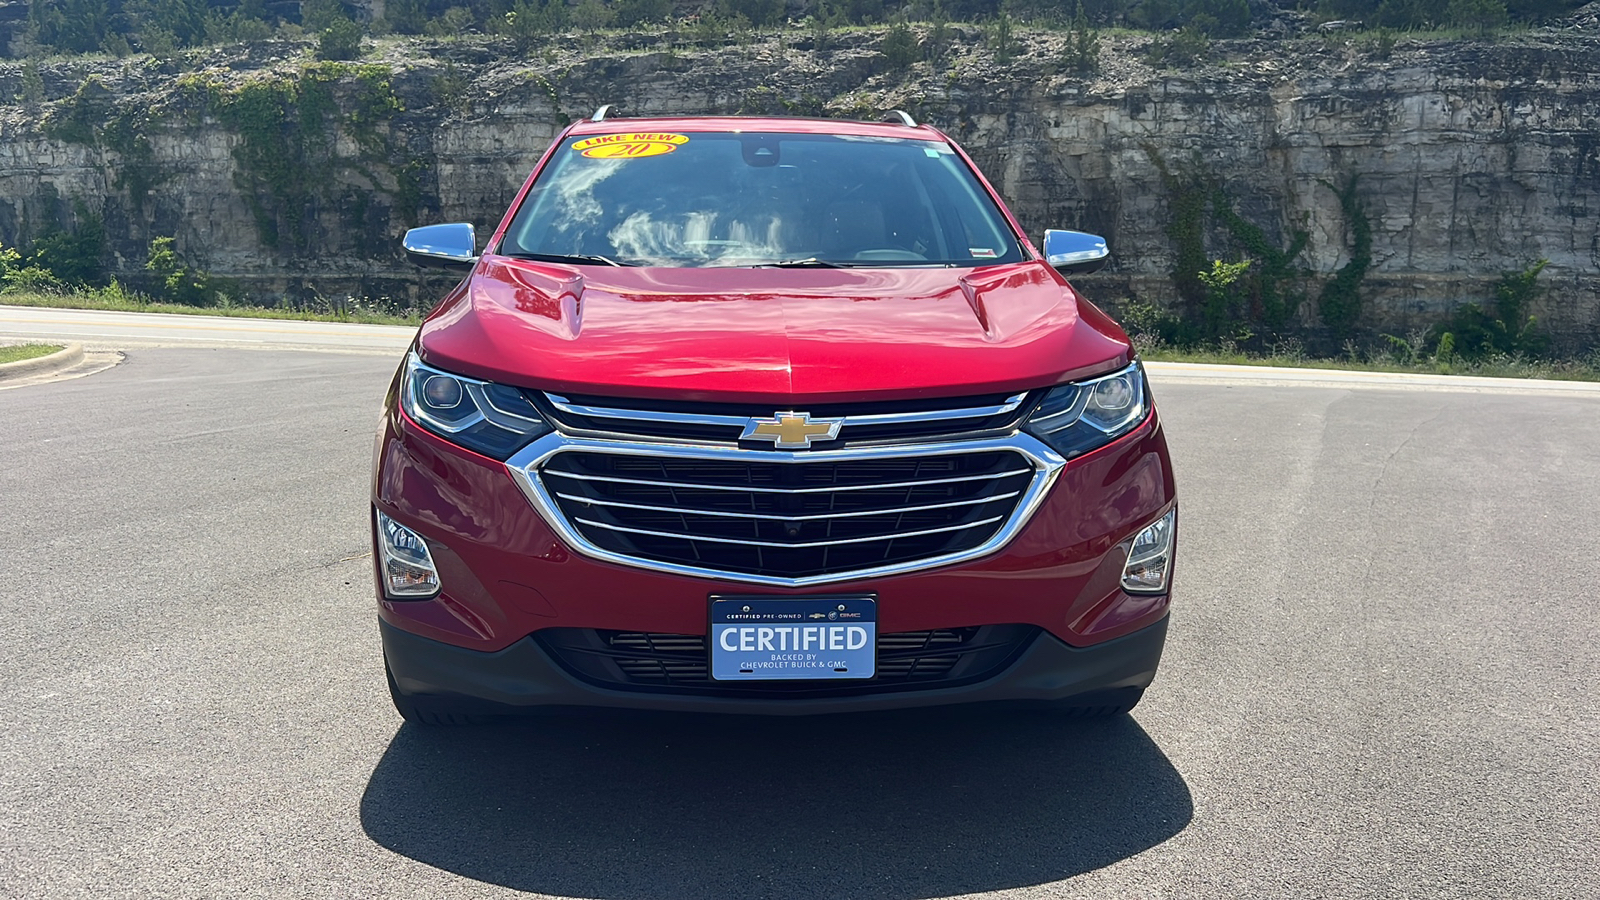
(1472, 158)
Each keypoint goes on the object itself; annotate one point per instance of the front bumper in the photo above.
(507, 574)
(524, 677)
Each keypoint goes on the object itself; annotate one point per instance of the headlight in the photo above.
(493, 419)
(1077, 418)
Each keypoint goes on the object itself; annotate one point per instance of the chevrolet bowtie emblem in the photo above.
(791, 430)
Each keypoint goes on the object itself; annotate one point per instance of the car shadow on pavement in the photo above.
(914, 806)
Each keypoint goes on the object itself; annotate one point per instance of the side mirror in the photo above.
(452, 246)
(1074, 252)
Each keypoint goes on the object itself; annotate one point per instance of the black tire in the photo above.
(1101, 705)
(429, 712)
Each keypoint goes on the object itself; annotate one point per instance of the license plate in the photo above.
(812, 638)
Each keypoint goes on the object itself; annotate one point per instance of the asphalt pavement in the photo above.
(1383, 677)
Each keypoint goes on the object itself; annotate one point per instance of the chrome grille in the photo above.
(804, 516)
(877, 422)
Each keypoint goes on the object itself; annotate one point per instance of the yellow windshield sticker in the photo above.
(629, 146)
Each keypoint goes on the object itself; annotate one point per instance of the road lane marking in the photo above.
(244, 326)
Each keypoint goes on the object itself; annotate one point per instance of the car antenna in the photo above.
(601, 113)
(902, 116)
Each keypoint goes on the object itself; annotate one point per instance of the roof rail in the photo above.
(902, 116)
(601, 113)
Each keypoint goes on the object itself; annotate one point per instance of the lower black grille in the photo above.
(678, 663)
(786, 519)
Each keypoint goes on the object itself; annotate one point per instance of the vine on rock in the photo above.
(1254, 295)
(1340, 301)
(92, 117)
(288, 157)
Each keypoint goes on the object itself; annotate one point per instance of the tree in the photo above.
(1083, 46)
(183, 22)
(899, 46)
(640, 12)
(71, 26)
(340, 40)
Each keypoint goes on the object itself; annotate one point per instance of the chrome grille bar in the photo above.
(643, 415)
(687, 418)
(743, 488)
(814, 517)
(937, 415)
(798, 546)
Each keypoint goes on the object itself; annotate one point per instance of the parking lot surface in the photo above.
(1383, 679)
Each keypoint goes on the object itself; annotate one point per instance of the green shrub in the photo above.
(1475, 333)
(75, 257)
(1183, 50)
(340, 41)
(712, 28)
(71, 26)
(1083, 46)
(248, 22)
(1152, 327)
(592, 15)
(530, 20)
(406, 16)
(1213, 18)
(823, 20)
(16, 278)
(32, 83)
(1480, 16)
(900, 50)
(1001, 36)
(178, 23)
(642, 12)
(936, 45)
(316, 15)
(1226, 308)
(759, 12)
(456, 21)
(174, 282)
(861, 12)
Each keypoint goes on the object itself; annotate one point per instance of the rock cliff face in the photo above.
(1469, 158)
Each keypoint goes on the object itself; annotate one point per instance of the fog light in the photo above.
(1150, 557)
(405, 565)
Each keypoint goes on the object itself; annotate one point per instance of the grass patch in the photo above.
(338, 312)
(1492, 367)
(19, 352)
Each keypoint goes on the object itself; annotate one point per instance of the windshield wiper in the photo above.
(574, 258)
(810, 262)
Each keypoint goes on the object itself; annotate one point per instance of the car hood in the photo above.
(743, 334)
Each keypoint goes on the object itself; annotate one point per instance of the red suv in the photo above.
(767, 416)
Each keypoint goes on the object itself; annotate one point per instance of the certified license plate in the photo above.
(813, 638)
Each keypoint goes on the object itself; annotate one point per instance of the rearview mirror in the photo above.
(451, 246)
(1075, 252)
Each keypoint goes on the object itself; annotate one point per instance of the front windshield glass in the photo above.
(746, 199)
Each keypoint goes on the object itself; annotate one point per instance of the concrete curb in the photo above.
(65, 358)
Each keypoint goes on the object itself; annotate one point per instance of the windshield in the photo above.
(749, 199)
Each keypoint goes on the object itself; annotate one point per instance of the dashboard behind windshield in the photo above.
(750, 199)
